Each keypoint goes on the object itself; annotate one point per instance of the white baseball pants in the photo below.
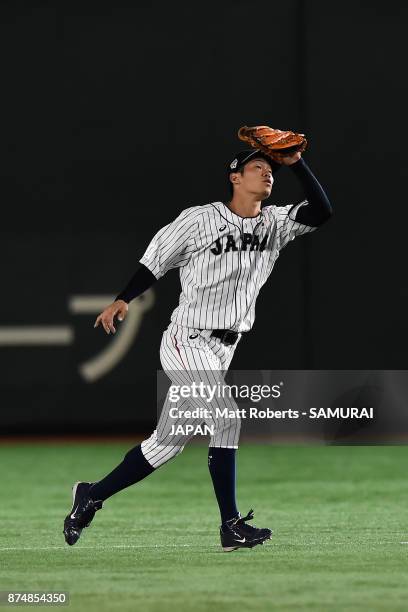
(189, 355)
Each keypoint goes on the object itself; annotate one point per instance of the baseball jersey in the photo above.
(224, 260)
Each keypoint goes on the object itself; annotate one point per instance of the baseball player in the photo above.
(225, 253)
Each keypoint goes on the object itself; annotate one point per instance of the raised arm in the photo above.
(319, 208)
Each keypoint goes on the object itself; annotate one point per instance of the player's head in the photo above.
(251, 173)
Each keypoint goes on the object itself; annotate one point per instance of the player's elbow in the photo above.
(314, 217)
(327, 215)
(326, 212)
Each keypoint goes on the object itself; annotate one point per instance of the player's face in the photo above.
(256, 178)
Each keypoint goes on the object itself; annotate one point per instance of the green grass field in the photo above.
(339, 515)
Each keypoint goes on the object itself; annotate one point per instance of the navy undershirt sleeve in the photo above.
(319, 208)
(140, 281)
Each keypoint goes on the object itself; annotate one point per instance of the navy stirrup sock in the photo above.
(133, 468)
(221, 463)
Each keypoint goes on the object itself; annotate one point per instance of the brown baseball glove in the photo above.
(274, 143)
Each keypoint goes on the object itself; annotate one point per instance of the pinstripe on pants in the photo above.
(186, 360)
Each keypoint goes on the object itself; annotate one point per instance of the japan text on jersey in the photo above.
(224, 260)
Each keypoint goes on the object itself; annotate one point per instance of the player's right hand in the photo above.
(119, 309)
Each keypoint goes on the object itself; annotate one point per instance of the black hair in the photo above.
(240, 169)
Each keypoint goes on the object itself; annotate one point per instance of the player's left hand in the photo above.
(291, 159)
(118, 309)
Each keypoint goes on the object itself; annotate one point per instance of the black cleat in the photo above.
(82, 512)
(239, 535)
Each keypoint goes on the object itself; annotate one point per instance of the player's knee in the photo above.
(227, 430)
(177, 450)
(158, 452)
(162, 454)
(230, 425)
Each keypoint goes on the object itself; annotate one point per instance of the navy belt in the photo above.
(226, 335)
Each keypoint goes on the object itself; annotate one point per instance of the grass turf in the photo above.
(338, 515)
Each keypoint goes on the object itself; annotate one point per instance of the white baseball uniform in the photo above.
(224, 260)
